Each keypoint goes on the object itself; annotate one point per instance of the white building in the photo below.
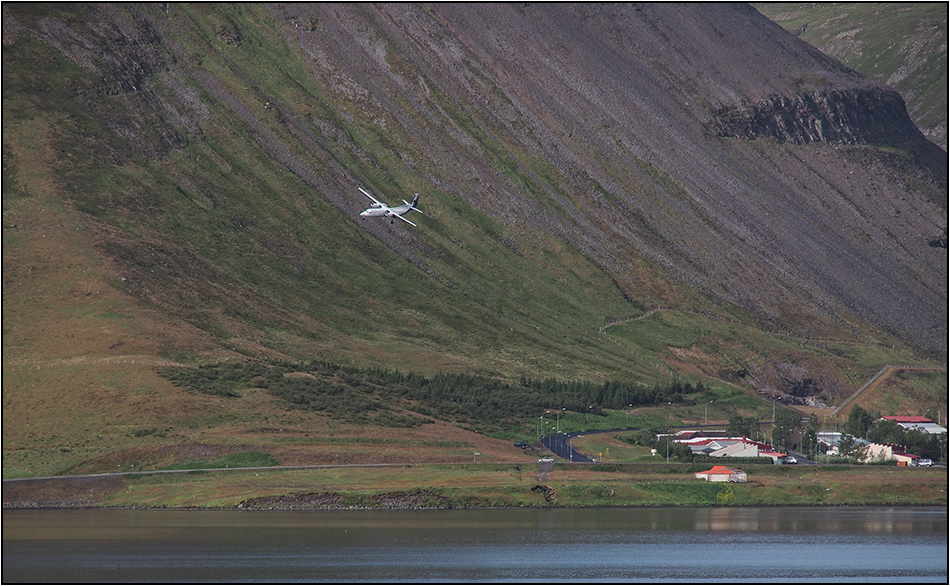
(737, 447)
(722, 474)
(884, 452)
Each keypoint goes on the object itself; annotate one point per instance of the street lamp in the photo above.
(705, 414)
(628, 415)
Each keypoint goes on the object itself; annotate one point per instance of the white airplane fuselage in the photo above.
(382, 212)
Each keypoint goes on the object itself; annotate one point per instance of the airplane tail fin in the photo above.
(412, 206)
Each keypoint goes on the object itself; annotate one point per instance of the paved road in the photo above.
(560, 444)
(802, 459)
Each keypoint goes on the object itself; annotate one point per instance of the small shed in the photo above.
(777, 457)
(904, 459)
(722, 474)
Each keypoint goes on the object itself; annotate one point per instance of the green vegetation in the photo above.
(377, 395)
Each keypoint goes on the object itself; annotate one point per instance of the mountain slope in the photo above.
(901, 45)
(196, 169)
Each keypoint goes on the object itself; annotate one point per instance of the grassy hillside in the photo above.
(901, 44)
(179, 190)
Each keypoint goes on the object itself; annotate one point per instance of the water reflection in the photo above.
(726, 520)
(605, 545)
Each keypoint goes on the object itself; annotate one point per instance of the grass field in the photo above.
(491, 485)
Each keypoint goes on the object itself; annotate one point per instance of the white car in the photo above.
(791, 460)
(546, 460)
(925, 462)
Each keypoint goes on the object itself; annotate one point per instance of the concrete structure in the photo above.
(722, 474)
(917, 422)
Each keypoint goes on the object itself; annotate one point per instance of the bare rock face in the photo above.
(873, 116)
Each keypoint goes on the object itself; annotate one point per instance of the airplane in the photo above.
(382, 210)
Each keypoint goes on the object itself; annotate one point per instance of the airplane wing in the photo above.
(366, 193)
(404, 219)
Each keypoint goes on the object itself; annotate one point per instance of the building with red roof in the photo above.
(921, 424)
(722, 474)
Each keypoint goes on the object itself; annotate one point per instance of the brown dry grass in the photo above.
(904, 392)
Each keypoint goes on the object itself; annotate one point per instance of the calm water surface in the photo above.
(576, 545)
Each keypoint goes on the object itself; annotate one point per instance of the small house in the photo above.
(722, 474)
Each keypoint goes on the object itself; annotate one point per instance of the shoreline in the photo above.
(15, 507)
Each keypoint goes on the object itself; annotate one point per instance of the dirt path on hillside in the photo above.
(879, 379)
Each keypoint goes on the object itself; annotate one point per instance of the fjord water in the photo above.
(781, 544)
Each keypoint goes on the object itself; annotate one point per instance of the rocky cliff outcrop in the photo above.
(874, 116)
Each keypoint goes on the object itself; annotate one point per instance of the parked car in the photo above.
(791, 460)
(925, 462)
(521, 445)
(546, 460)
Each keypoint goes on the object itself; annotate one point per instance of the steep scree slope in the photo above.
(575, 161)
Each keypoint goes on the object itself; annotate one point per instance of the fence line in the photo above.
(871, 381)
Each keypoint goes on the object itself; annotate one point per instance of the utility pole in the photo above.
(668, 435)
